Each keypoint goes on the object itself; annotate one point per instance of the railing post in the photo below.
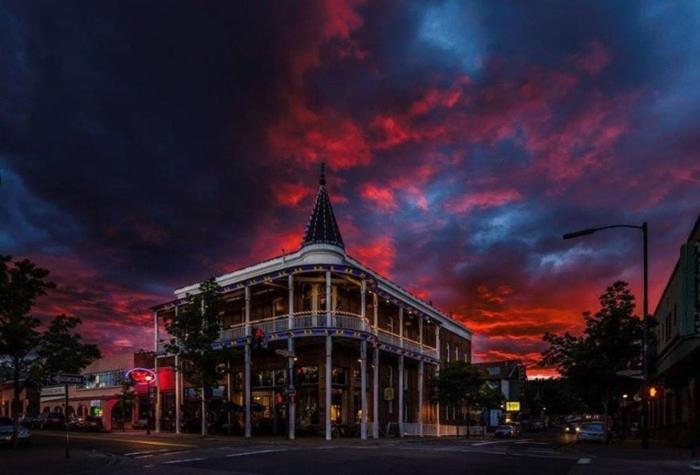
(290, 360)
(437, 347)
(363, 290)
(178, 387)
(420, 377)
(363, 389)
(248, 364)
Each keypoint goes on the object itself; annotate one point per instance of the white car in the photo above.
(6, 426)
(592, 432)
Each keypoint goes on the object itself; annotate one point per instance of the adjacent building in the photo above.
(675, 406)
(346, 346)
(509, 377)
(103, 391)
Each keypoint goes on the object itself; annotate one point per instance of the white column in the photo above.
(247, 395)
(178, 388)
(229, 393)
(401, 383)
(363, 301)
(375, 392)
(328, 300)
(291, 401)
(155, 332)
(420, 379)
(363, 389)
(420, 398)
(329, 367)
(158, 397)
(178, 395)
(375, 308)
(203, 408)
(437, 347)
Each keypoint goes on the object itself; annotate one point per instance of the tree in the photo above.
(458, 383)
(611, 342)
(61, 349)
(33, 356)
(194, 332)
(556, 395)
(21, 283)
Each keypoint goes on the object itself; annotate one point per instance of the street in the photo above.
(138, 453)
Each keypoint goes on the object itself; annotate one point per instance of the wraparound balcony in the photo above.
(339, 320)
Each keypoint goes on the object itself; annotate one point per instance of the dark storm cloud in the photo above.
(149, 145)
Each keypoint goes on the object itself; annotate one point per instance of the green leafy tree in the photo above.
(459, 383)
(556, 395)
(194, 332)
(21, 283)
(30, 355)
(61, 349)
(611, 342)
(125, 399)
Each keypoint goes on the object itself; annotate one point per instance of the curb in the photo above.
(695, 465)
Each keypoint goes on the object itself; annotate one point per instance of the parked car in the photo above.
(593, 432)
(507, 431)
(6, 426)
(52, 420)
(89, 424)
(29, 421)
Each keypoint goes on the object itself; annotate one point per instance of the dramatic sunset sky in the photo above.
(149, 145)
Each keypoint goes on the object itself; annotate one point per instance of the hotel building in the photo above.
(361, 348)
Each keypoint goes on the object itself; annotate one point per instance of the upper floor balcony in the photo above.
(309, 324)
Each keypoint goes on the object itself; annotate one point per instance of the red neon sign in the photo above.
(141, 375)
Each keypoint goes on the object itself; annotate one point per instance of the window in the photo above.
(390, 324)
(494, 370)
(104, 379)
(456, 353)
(447, 352)
(307, 375)
(339, 376)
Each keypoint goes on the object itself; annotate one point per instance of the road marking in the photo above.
(194, 459)
(143, 456)
(114, 439)
(583, 461)
(243, 454)
(505, 441)
(522, 442)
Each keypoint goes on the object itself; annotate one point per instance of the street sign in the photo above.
(389, 394)
(290, 392)
(64, 378)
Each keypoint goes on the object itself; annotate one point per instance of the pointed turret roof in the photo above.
(322, 227)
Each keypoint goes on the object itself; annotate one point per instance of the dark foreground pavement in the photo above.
(167, 454)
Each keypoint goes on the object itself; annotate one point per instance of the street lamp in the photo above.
(148, 378)
(645, 304)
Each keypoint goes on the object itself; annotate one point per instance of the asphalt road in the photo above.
(138, 453)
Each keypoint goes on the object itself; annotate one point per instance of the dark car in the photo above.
(507, 431)
(89, 424)
(6, 429)
(52, 420)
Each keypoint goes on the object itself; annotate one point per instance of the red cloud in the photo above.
(378, 254)
(382, 198)
(290, 194)
(482, 199)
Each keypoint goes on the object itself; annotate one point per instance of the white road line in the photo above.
(505, 441)
(143, 456)
(583, 461)
(195, 459)
(255, 452)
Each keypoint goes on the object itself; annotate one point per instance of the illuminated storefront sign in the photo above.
(141, 375)
(512, 406)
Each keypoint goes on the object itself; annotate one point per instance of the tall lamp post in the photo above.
(148, 378)
(645, 337)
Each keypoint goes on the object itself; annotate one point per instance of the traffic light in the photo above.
(259, 338)
(655, 392)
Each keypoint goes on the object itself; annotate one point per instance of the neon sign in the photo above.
(141, 375)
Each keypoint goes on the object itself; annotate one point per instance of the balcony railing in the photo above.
(308, 320)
